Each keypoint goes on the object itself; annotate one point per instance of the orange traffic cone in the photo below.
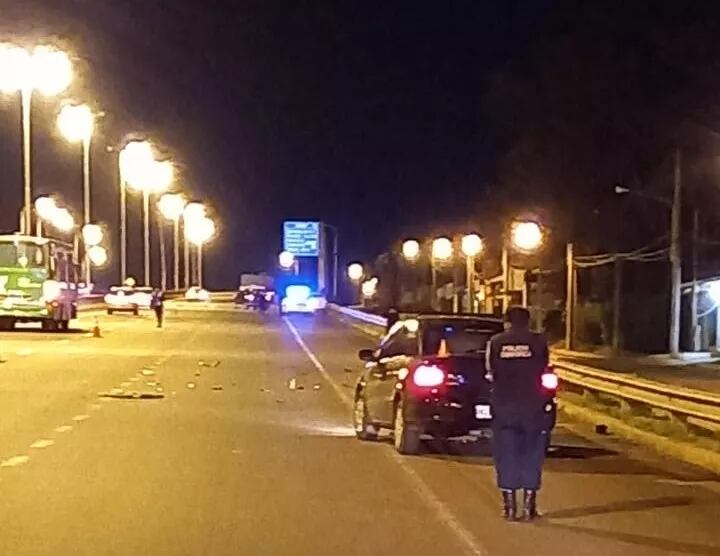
(96, 330)
(443, 350)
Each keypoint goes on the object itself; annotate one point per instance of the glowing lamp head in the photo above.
(63, 220)
(51, 70)
(411, 249)
(136, 161)
(193, 211)
(171, 205)
(45, 207)
(14, 64)
(98, 255)
(160, 176)
(471, 245)
(199, 231)
(286, 260)
(355, 272)
(526, 236)
(442, 249)
(76, 122)
(369, 287)
(92, 234)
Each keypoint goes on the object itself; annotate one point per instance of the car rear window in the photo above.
(461, 337)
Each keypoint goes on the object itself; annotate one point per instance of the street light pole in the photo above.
(505, 264)
(176, 253)
(123, 229)
(146, 233)
(675, 259)
(163, 261)
(200, 264)
(186, 256)
(26, 100)
(86, 199)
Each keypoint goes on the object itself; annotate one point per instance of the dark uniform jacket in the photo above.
(516, 361)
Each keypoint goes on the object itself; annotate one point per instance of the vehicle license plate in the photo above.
(482, 412)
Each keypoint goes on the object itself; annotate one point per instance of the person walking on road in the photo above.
(157, 304)
(516, 360)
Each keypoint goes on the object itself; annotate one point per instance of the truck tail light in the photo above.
(428, 376)
(549, 380)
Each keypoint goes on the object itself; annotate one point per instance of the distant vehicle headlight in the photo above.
(51, 290)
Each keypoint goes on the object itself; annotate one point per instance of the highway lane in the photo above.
(233, 462)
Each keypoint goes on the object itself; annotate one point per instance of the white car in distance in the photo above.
(127, 299)
(197, 294)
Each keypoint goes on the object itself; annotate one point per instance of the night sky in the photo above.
(367, 115)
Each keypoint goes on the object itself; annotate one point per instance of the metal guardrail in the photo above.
(685, 405)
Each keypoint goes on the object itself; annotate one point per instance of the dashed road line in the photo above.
(79, 418)
(443, 513)
(42, 443)
(15, 461)
(64, 428)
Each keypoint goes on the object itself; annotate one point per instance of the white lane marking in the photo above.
(42, 443)
(64, 428)
(79, 418)
(24, 351)
(94, 406)
(124, 384)
(134, 378)
(443, 513)
(15, 461)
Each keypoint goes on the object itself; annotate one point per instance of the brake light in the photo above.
(427, 376)
(549, 381)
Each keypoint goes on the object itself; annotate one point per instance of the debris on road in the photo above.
(217, 387)
(151, 383)
(191, 385)
(197, 373)
(316, 387)
(348, 370)
(601, 429)
(147, 372)
(262, 389)
(132, 395)
(292, 385)
(279, 401)
(212, 364)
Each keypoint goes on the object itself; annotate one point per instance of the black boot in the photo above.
(530, 505)
(509, 505)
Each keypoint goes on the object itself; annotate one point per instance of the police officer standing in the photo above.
(158, 305)
(516, 360)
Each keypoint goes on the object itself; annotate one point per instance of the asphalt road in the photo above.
(232, 462)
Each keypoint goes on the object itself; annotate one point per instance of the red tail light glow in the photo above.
(549, 381)
(428, 376)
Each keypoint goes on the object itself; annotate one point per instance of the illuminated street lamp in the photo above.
(411, 249)
(526, 236)
(355, 272)
(369, 287)
(471, 246)
(171, 206)
(92, 235)
(97, 255)
(149, 177)
(286, 260)
(63, 220)
(76, 122)
(45, 208)
(192, 212)
(441, 250)
(44, 69)
(199, 232)
(133, 162)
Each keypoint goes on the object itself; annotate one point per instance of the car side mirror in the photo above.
(366, 355)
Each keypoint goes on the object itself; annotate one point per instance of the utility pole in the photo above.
(675, 260)
(694, 329)
(617, 306)
(570, 298)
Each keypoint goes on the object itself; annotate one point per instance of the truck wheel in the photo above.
(407, 435)
(136, 312)
(364, 429)
(7, 324)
